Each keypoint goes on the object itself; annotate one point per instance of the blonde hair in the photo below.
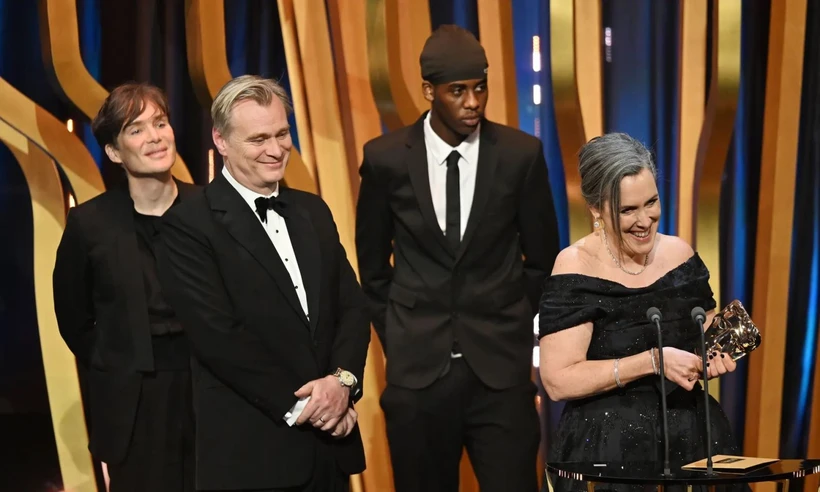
(244, 88)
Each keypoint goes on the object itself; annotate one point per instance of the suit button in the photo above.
(454, 315)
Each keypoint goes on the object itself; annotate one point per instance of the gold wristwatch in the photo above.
(346, 378)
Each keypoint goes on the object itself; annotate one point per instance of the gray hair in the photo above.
(603, 162)
(243, 88)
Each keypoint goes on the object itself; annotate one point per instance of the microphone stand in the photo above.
(654, 316)
(699, 317)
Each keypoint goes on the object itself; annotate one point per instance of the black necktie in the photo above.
(453, 215)
(264, 204)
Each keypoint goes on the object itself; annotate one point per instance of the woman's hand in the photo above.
(719, 364)
(681, 367)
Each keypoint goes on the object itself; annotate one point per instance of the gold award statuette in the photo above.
(732, 332)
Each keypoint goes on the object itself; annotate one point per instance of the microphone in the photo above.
(699, 318)
(653, 314)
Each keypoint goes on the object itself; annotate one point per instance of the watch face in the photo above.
(347, 378)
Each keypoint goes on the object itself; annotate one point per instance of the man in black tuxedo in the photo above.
(464, 207)
(113, 313)
(273, 311)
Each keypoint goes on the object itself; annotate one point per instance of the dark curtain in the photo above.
(641, 85)
(739, 194)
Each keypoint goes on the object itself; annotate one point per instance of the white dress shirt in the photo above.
(277, 231)
(437, 152)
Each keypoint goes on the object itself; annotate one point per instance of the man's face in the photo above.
(459, 105)
(257, 145)
(146, 146)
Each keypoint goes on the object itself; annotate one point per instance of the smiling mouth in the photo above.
(155, 152)
(640, 234)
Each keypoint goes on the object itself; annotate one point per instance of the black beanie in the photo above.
(452, 53)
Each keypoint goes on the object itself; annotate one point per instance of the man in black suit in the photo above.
(273, 311)
(112, 311)
(464, 207)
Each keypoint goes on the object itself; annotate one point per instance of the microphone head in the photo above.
(653, 314)
(698, 315)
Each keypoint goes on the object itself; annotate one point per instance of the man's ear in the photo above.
(428, 90)
(113, 154)
(219, 141)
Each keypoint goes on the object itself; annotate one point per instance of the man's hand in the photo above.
(328, 402)
(346, 424)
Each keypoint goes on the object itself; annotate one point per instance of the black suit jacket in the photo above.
(253, 345)
(486, 293)
(99, 301)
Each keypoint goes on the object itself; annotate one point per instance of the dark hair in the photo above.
(122, 107)
(602, 163)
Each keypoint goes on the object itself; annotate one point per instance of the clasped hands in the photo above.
(329, 406)
(685, 368)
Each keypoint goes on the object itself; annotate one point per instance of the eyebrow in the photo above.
(155, 117)
(627, 207)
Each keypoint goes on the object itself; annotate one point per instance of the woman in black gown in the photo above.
(598, 351)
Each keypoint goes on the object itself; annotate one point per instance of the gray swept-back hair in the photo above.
(603, 162)
(245, 87)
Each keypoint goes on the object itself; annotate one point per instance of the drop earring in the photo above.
(596, 224)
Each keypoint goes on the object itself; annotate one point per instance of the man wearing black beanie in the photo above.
(463, 205)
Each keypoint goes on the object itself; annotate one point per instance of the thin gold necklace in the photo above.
(618, 262)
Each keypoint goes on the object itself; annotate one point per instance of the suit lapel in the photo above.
(306, 247)
(420, 179)
(129, 266)
(485, 174)
(243, 225)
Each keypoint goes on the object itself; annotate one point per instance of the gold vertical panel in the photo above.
(360, 122)
(308, 18)
(781, 124)
(394, 45)
(61, 50)
(588, 66)
(208, 62)
(360, 117)
(206, 48)
(568, 117)
(297, 86)
(691, 102)
(65, 401)
(495, 23)
(715, 138)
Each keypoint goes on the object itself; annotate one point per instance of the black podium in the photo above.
(651, 474)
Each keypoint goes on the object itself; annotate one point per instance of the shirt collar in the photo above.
(441, 149)
(247, 194)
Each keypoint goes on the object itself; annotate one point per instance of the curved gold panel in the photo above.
(495, 23)
(61, 50)
(297, 85)
(568, 117)
(588, 65)
(360, 117)
(209, 70)
(691, 102)
(51, 135)
(394, 45)
(65, 401)
(778, 168)
(715, 138)
(314, 66)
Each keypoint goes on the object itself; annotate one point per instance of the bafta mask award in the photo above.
(732, 332)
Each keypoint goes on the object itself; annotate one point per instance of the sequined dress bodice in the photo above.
(625, 424)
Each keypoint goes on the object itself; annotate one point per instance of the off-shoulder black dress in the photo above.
(625, 424)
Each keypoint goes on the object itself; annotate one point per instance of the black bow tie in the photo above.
(272, 203)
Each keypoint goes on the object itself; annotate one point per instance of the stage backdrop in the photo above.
(725, 92)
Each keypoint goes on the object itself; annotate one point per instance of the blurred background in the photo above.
(725, 93)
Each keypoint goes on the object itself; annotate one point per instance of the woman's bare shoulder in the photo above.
(577, 257)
